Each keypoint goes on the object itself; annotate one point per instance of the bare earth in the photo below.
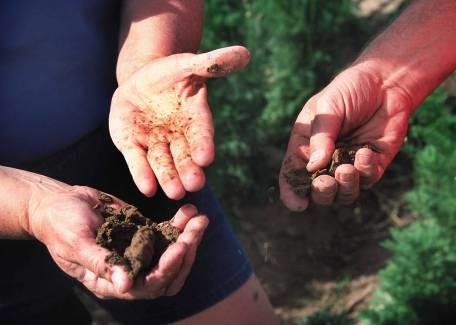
(325, 257)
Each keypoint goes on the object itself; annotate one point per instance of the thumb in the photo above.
(164, 72)
(325, 129)
(93, 258)
(220, 62)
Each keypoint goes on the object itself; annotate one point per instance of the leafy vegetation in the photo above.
(296, 48)
(418, 286)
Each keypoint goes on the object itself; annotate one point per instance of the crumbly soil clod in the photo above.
(300, 179)
(215, 68)
(134, 240)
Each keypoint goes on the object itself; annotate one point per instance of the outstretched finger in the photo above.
(220, 62)
(164, 72)
(191, 175)
(140, 170)
(161, 161)
(200, 129)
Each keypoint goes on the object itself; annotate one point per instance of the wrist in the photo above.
(43, 191)
(418, 51)
(127, 67)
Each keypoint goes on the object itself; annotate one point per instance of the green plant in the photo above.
(432, 143)
(418, 285)
(296, 47)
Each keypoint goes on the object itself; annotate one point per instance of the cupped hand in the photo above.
(66, 220)
(161, 121)
(356, 108)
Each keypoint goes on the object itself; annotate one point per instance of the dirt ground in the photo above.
(325, 257)
(328, 257)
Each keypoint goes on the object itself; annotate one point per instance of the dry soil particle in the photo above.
(215, 68)
(134, 240)
(300, 179)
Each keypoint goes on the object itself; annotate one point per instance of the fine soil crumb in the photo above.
(215, 68)
(134, 240)
(300, 179)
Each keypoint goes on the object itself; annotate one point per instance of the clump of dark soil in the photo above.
(134, 240)
(215, 68)
(301, 180)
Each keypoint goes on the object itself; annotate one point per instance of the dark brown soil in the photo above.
(301, 180)
(215, 68)
(134, 240)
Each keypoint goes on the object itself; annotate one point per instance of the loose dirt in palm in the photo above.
(134, 240)
(300, 179)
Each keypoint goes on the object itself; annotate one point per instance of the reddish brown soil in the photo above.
(134, 240)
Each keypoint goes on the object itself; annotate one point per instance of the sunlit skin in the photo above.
(370, 102)
(66, 222)
(367, 115)
(65, 219)
(161, 121)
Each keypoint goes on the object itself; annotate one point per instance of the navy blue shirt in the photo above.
(57, 73)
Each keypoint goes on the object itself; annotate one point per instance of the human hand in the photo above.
(356, 108)
(161, 121)
(66, 220)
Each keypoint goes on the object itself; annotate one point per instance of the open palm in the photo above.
(161, 121)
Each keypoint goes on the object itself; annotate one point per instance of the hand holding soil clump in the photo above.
(134, 240)
(300, 180)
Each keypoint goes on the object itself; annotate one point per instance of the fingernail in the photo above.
(365, 159)
(316, 156)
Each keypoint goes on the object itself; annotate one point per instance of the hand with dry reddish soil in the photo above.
(359, 110)
(161, 121)
(66, 218)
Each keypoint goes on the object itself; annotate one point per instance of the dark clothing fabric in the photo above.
(57, 76)
(57, 73)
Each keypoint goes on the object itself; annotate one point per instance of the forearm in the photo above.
(18, 193)
(418, 51)
(152, 29)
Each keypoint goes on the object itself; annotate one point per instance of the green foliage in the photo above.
(296, 47)
(418, 285)
(432, 142)
(326, 317)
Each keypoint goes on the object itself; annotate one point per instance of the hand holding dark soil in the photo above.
(161, 121)
(356, 109)
(66, 218)
(157, 257)
(300, 180)
(135, 241)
